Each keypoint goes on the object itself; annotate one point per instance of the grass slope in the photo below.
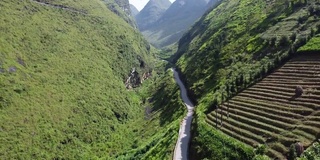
(164, 111)
(62, 72)
(239, 42)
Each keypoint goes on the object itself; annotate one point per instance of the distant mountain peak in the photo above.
(153, 10)
(169, 28)
(134, 10)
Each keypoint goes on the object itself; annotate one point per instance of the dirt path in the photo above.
(181, 149)
(59, 7)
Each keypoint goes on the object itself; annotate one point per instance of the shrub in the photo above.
(261, 157)
(293, 37)
(311, 10)
(261, 149)
(298, 91)
(318, 28)
(284, 41)
(312, 32)
(272, 41)
(292, 153)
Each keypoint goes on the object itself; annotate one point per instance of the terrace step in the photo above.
(269, 111)
(296, 74)
(289, 84)
(288, 78)
(288, 89)
(288, 95)
(303, 67)
(275, 105)
(309, 129)
(264, 96)
(236, 136)
(275, 155)
(302, 64)
(262, 119)
(308, 136)
(260, 112)
(313, 118)
(216, 117)
(251, 122)
(279, 147)
(245, 133)
(297, 70)
(312, 123)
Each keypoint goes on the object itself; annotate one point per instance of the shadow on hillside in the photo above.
(165, 102)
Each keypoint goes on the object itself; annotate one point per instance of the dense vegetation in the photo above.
(312, 45)
(236, 44)
(164, 112)
(63, 64)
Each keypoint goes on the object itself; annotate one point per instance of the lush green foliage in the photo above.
(312, 45)
(239, 42)
(163, 113)
(312, 153)
(62, 96)
(258, 31)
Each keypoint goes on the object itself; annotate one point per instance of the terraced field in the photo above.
(270, 113)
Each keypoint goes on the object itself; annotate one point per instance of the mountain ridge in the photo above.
(134, 10)
(151, 12)
(177, 19)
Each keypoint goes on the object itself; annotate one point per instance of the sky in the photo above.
(139, 4)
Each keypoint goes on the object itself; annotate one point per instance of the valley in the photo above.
(183, 79)
(181, 149)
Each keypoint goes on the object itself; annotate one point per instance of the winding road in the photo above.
(181, 149)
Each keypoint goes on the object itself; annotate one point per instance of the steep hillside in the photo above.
(272, 112)
(179, 17)
(62, 95)
(164, 111)
(236, 41)
(231, 47)
(153, 10)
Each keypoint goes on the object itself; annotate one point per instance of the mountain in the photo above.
(63, 68)
(122, 9)
(177, 19)
(134, 10)
(151, 13)
(233, 46)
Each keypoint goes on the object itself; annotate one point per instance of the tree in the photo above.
(283, 41)
(293, 37)
(292, 153)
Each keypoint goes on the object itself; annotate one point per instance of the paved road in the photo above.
(181, 149)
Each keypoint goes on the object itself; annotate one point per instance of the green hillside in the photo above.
(233, 46)
(63, 65)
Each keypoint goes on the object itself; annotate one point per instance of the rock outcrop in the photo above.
(134, 80)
